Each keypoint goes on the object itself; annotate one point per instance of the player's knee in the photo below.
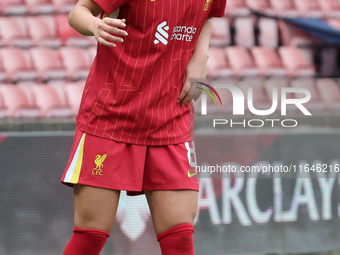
(90, 221)
(177, 240)
(180, 217)
(168, 223)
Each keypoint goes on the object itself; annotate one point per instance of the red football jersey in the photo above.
(132, 90)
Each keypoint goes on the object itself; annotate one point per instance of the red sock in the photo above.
(86, 242)
(177, 240)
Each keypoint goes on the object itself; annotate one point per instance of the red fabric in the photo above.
(177, 240)
(133, 167)
(218, 8)
(132, 90)
(86, 242)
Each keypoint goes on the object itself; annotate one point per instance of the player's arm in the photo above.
(83, 18)
(196, 67)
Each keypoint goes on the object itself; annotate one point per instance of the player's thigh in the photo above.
(172, 207)
(95, 208)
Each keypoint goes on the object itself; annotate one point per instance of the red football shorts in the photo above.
(104, 163)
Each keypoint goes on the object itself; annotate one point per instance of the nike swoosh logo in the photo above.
(191, 175)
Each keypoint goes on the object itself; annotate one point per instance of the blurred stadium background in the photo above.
(258, 43)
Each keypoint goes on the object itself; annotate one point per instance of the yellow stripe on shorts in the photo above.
(73, 172)
(76, 173)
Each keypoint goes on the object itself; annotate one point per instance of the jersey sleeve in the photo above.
(217, 8)
(110, 6)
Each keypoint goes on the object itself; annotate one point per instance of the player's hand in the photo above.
(109, 31)
(196, 68)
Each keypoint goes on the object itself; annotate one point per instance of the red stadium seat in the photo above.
(2, 71)
(295, 62)
(334, 23)
(309, 8)
(58, 86)
(292, 35)
(261, 6)
(329, 92)
(331, 8)
(217, 65)
(268, 62)
(17, 64)
(16, 102)
(69, 35)
(39, 6)
(259, 96)
(63, 5)
(47, 63)
(12, 7)
(25, 87)
(74, 92)
(258, 4)
(42, 30)
(269, 33)
(49, 102)
(237, 7)
(220, 32)
(269, 84)
(13, 32)
(244, 27)
(76, 62)
(315, 103)
(285, 8)
(241, 61)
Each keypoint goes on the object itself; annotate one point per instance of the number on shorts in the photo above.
(191, 154)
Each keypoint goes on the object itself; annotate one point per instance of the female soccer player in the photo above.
(133, 126)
